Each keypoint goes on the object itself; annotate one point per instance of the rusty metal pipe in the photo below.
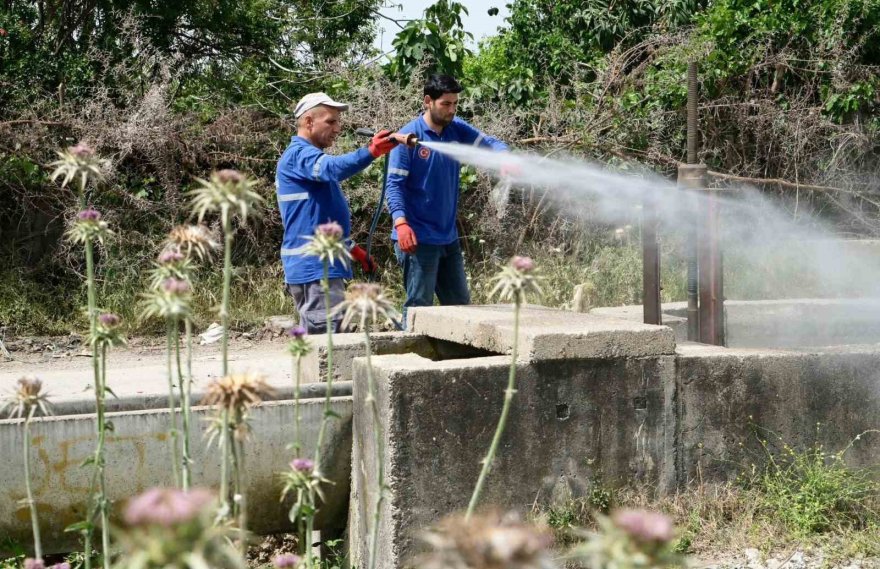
(693, 323)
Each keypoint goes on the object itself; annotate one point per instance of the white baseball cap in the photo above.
(312, 100)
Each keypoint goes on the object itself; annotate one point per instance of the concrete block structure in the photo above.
(599, 400)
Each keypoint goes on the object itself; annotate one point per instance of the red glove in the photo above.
(406, 237)
(381, 143)
(359, 254)
(510, 169)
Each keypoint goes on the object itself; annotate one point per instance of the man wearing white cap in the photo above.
(307, 183)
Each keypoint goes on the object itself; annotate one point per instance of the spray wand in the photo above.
(411, 140)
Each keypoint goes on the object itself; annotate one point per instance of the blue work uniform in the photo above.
(423, 185)
(309, 194)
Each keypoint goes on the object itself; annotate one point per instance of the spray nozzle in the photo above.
(411, 139)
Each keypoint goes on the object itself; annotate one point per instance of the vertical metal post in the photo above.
(710, 275)
(692, 180)
(650, 265)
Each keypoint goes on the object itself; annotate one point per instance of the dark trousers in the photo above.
(433, 269)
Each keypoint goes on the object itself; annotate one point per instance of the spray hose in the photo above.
(411, 140)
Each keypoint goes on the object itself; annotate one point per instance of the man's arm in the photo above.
(312, 164)
(472, 135)
(395, 186)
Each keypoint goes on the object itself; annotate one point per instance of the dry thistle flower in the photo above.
(167, 507)
(228, 192)
(88, 227)
(487, 541)
(192, 241)
(27, 398)
(285, 561)
(237, 392)
(299, 345)
(327, 244)
(171, 299)
(78, 161)
(516, 280)
(365, 302)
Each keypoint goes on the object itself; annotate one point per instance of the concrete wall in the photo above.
(659, 420)
(727, 398)
(572, 422)
(138, 458)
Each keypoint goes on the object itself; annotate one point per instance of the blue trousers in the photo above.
(433, 269)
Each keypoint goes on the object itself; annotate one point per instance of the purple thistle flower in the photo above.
(229, 176)
(31, 563)
(285, 561)
(175, 286)
(644, 526)
(82, 150)
(167, 507)
(330, 229)
(64, 565)
(303, 465)
(168, 257)
(90, 214)
(109, 320)
(297, 332)
(522, 264)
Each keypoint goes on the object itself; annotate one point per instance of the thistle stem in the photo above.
(224, 458)
(172, 406)
(38, 545)
(297, 443)
(104, 504)
(184, 400)
(380, 453)
(505, 410)
(227, 280)
(242, 506)
(328, 414)
(97, 497)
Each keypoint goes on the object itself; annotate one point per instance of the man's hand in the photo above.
(382, 143)
(359, 254)
(406, 237)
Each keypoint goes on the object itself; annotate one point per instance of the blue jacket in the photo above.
(423, 184)
(307, 186)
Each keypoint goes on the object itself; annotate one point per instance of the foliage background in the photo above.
(170, 91)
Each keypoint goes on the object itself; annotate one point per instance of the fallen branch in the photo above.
(33, 121)
(778, 182)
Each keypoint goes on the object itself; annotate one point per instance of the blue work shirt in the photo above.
(307, 186)
(423, 185)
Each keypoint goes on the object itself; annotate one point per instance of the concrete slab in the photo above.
(544, 334)
(792, 323)
(140, 381)
(346, 347)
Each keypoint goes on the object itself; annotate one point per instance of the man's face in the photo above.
(324, 126)
(442, 109)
